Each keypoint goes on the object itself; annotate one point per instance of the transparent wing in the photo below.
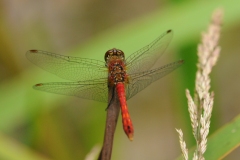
(70, 68)
(139, 81)
(97, 91)
(146, 57)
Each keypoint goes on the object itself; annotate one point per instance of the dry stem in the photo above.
(111, 123)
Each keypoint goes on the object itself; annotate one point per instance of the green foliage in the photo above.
(28, 115)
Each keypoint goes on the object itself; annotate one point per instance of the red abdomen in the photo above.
(126, 120)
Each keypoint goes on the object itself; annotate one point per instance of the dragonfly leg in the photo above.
(113, 91)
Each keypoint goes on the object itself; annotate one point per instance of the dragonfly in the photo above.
(91, 78)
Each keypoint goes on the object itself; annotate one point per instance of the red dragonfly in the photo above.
(91, 78)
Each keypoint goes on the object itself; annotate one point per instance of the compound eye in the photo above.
(119, 52)
(108, 54)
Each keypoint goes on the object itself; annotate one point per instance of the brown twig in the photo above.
(111, 123)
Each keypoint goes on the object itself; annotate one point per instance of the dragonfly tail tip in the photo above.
(130, 137)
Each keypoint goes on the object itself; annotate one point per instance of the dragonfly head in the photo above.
(114, 54)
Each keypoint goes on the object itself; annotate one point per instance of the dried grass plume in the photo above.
(200, 107)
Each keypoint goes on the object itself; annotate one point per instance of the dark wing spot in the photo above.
(34, 51)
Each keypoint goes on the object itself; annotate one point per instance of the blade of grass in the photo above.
(222, 142)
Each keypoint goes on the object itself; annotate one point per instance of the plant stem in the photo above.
(111, 123)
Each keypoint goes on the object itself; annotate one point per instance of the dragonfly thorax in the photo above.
(117, 72)
(116, 66)
(114, 54)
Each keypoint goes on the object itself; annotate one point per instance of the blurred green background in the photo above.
(39, 125)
